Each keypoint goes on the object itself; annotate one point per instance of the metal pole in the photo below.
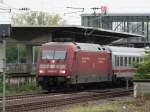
(127, 83)
(4, 75)
(147, 31)
(4, 72)
(33, 57)
(18, 54)
(101, 21)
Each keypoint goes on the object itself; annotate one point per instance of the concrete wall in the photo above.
(141, 89)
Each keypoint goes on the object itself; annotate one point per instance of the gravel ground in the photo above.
(97, 102)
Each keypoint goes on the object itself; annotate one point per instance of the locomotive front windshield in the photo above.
(59, 54)
(46, 54)
(49, 54)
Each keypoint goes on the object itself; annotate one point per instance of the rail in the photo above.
(52, 100)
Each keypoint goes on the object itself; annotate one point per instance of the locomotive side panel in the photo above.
(91, 67)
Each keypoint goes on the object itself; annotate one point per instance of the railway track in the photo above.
(54, 100)
(43, 93)
(24, 96)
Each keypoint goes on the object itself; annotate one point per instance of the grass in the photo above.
(27, 87)
(83, 109)
(123, 105)
(93, 108)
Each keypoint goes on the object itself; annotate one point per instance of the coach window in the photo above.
(141, 59)
(121, 61)
(133, 60)
(138, 60)
(125, 61)
(129, 61)
(117, 60)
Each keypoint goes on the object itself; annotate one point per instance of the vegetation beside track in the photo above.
(143, 71)
(27, 87)
(127, 104)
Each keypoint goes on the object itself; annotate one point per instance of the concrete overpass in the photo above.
(41, 34)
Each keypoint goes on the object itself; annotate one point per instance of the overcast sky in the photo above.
(59, 7)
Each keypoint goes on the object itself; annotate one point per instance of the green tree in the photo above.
(29, 18)
(15, 54)
(36, 18)
(143, 69)
(11, 54)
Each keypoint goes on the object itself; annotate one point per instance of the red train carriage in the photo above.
(77, 63)
(73, 63)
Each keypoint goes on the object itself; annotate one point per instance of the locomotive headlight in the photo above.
(41, 71)
(53, 61)
(62, 71)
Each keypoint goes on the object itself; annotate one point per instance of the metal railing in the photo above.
(23, 68)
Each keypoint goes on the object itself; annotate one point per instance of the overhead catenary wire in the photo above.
(75, 8)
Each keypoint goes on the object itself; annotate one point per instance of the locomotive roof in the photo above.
(81, 46)
(96, 47)
(58, 43)
(89, 46)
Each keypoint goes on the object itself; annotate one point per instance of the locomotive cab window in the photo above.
(60, 55)
(47, 54)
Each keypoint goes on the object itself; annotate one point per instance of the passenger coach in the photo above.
(123, 59)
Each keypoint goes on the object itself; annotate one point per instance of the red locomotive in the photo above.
(77, 63)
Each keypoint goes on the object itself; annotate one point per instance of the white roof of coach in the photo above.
(89, 47)
(126, 51)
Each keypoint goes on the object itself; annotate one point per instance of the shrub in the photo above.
(143, 69)
(1, 82)
(24, 88)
